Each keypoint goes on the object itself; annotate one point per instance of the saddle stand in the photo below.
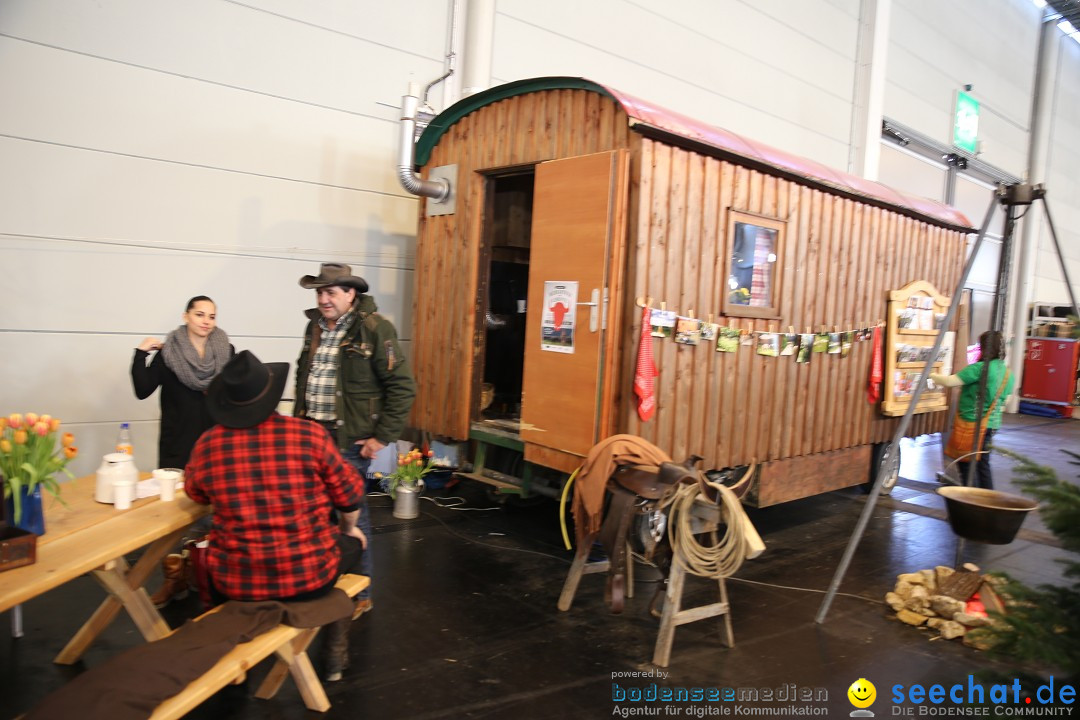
(634, 491)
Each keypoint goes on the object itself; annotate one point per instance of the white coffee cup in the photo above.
(123, 494)
(166, 480)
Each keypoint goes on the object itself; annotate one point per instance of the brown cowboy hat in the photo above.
(334, 274)
(246, 391)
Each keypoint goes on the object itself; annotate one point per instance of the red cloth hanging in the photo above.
(873, 391)
(646, 371)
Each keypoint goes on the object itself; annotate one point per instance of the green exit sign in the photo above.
(966, 123)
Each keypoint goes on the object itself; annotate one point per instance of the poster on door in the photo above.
(559, 317)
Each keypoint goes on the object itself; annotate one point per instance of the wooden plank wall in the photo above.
(840, 258)
(450, 287)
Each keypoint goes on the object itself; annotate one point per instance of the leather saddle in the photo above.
(634, 492)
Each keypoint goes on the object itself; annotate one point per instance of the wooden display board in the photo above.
(916, 313)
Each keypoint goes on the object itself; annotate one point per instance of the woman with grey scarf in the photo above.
(186, 362)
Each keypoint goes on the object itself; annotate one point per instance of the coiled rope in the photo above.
(725, 555)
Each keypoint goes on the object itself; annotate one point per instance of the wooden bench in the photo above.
(288, 643)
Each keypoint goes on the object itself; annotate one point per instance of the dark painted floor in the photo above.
(465, 622)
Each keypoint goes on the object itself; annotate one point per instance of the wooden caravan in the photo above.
(572, 200)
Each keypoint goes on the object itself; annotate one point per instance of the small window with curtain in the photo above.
(753, 269)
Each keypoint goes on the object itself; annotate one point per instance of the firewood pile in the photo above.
(950, 601)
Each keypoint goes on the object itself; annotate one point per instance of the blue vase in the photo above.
(33, 515)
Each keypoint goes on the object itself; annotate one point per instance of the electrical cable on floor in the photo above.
(801, 589)
(492, 545)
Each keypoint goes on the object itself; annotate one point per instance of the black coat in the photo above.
(184, 416)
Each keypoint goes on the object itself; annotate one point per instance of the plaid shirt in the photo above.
(322, 379)
(272, 487)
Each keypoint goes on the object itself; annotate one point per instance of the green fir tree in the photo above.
(1041, 626)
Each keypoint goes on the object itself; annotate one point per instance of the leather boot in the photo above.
(336, 648)
(175, 586)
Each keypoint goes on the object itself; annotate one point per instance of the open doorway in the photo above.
(508, 233)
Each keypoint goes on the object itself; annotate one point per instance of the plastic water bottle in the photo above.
(123, 440)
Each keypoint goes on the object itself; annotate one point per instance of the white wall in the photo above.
(1062, 183)
(936, 48)
(781, 73)
(152, 150)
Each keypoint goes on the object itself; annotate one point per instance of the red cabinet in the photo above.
(1050, 370)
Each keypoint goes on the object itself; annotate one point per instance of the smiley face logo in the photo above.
(862, 693)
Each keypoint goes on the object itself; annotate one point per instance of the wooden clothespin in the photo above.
(644, 302)
(691, 313)
(663, 306)
(710, 319)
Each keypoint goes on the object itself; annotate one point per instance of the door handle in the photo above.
(594, 310)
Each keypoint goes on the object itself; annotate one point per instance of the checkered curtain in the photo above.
(759, 282)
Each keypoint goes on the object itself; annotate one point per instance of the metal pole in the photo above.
(997, 317)
(901, 429)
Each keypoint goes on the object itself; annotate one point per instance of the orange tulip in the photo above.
(70, 452)
(54, 424)
(67, 439)
(20, 437)
(31, 419)
(41, 428)
(3, 423)
(5, 445)
(14, 420)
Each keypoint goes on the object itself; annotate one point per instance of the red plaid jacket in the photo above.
(272, 487)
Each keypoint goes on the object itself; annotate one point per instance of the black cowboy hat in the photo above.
(246, 391)
(334, 274)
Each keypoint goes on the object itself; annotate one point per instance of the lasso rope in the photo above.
(718, 560)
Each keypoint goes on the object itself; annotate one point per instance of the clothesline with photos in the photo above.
(689, 330)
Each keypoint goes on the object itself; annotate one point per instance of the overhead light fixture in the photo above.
(1039, 3)
(1066, 27)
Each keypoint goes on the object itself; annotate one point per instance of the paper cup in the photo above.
(123, 494)
(166, 480)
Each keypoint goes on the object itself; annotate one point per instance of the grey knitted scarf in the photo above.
(182, 358)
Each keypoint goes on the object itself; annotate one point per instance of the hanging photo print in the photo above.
(687, 330)
(746, 339)
(727, 340)
(662, 323)
(834, 343)
(558, 317)
(845, 343)
(821, 342)
(806, 346)
(789, 344)
(709, 330)
(768, 344)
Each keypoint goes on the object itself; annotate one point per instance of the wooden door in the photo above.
(578, 244)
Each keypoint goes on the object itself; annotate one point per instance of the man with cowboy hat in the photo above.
(273, 481)
(351, 376)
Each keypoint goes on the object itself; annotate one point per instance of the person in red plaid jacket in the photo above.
(274, 482)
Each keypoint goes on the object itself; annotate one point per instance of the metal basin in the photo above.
(986, 516)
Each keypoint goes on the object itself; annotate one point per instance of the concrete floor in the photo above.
(465, 623)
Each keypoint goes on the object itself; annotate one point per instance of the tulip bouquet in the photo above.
(411, 468)
(29, 456)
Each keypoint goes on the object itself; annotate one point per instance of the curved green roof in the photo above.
(446, 119)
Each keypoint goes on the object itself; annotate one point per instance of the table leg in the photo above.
(125, 589)
(274, 679)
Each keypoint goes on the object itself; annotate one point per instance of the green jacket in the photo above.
(375, 388)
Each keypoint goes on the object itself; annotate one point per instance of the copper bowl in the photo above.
(986, 516)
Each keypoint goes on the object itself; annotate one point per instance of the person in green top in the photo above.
(993, 377)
